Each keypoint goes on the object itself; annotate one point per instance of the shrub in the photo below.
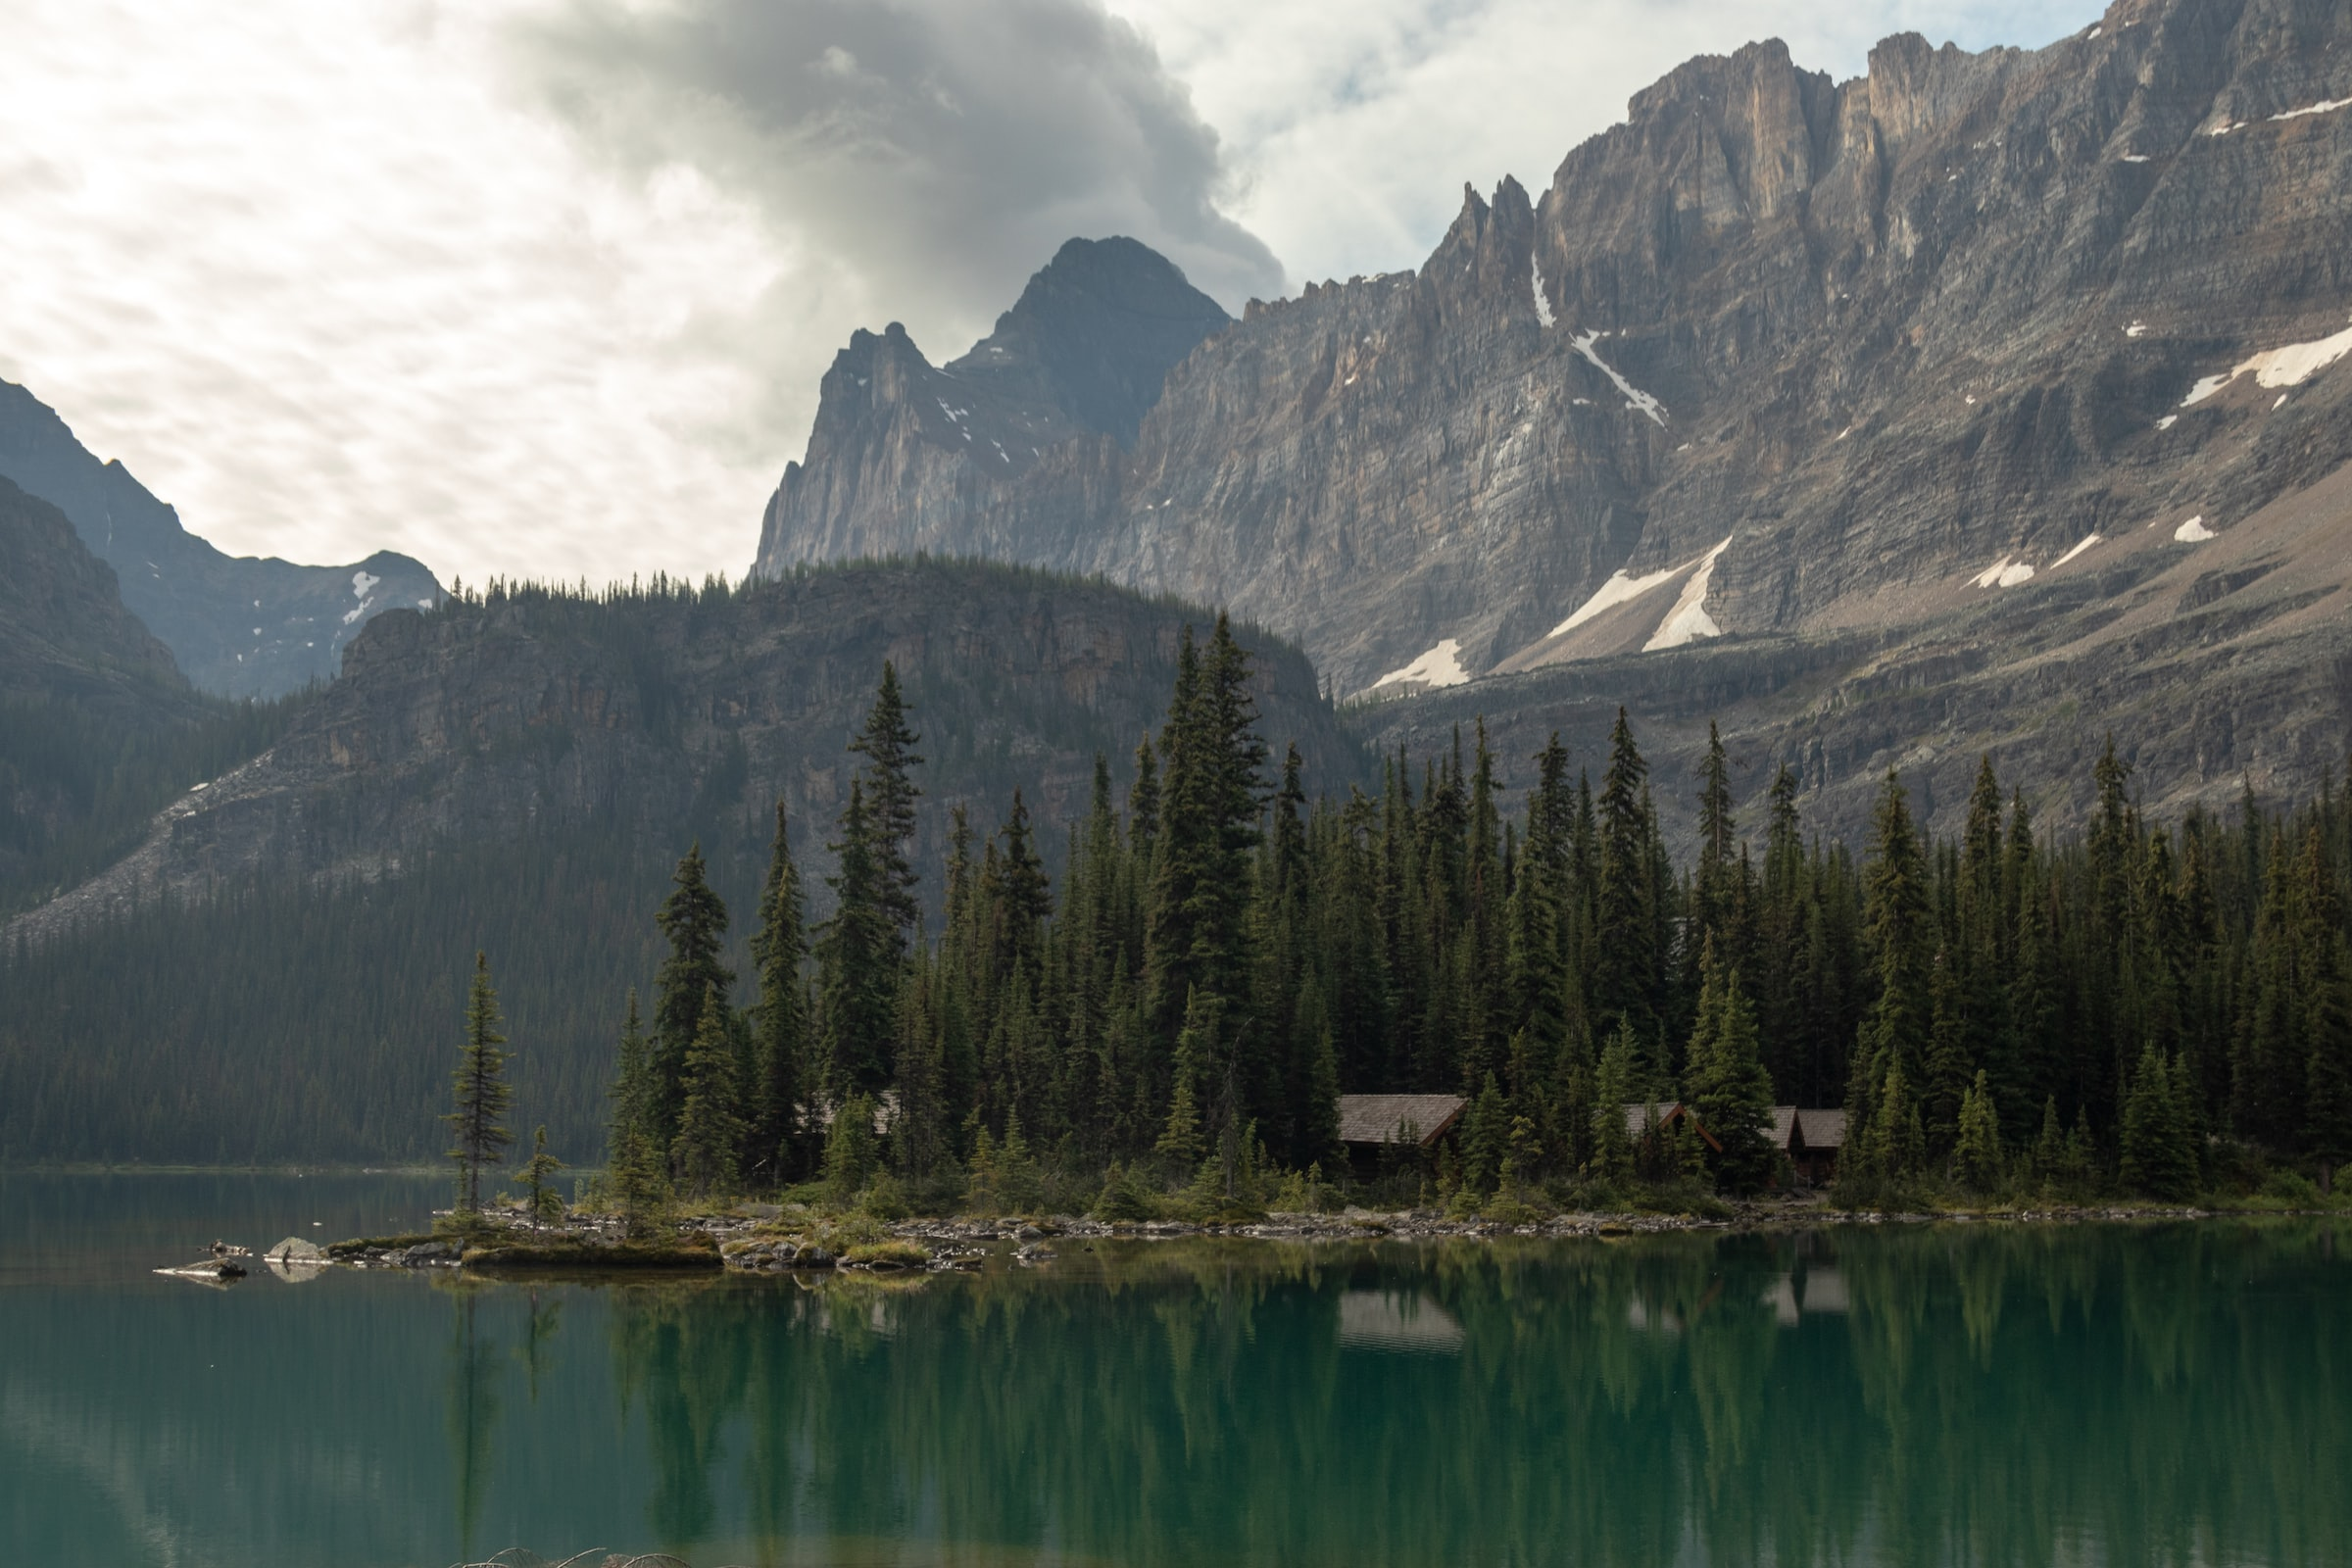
(2293, 1187)
(1125, 1197)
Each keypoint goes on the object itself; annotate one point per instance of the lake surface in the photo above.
(1960, 1394)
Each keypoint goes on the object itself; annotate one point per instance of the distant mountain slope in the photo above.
(520, 774)
(97, 727)
(239, 626)
(1838, 364)
(64, 633)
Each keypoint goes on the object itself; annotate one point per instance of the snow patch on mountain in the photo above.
(2087, 541)
(2291, 364)
(1610, 595)
(1635, 397)
(2325, 106)
(2004, 573)
(1442, 665)
(1688, 620)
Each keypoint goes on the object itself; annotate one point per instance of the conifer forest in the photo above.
(2156, 1009)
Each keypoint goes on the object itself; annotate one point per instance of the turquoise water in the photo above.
(1861, 1394)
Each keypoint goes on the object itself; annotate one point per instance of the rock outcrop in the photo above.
(239, 626)
(639, 721)
(1833, 364)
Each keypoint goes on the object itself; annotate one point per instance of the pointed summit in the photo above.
(1095, 334)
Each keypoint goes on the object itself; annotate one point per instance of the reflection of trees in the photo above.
(1909, 1395)
(473, 1411)
(688, 1365)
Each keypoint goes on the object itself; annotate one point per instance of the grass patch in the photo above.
(368, 1244)
(901, 1253)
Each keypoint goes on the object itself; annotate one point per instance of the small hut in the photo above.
(1811, 1139)
(1374, 1126)
(1662, 1114)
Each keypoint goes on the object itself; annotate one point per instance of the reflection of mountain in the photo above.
(1390, 1320)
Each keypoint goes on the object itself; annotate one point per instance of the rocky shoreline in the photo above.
(759, 1239)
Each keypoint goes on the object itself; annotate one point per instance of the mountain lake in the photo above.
(1950, 1393)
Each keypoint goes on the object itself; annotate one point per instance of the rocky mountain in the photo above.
(238, 625)
(1070, 370)
(646, 719)
(64, 633)
(97, 727)
(1956, 379)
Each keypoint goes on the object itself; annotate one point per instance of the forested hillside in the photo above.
(2153, 1007)
(97, 728)
(268, 975)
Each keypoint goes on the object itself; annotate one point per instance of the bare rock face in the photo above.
(238, 625)
(1777, 358)
(1070, 370)
(648, 721)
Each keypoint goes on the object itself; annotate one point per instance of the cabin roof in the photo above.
(1388, 1118)
(1824, 1129)
(1640, 1113)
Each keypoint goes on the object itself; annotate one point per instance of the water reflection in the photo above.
(1906, 1396)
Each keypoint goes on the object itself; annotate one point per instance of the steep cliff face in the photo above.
(239, 626)
(644, 721)
(64, 633)
(1070, 370)
(1777, 357)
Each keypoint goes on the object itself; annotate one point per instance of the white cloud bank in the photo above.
(544, 286)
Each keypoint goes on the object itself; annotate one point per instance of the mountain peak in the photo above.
(1095, 334)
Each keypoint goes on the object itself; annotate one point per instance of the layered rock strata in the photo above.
(1778, 357)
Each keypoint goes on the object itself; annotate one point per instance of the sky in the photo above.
(543, 289)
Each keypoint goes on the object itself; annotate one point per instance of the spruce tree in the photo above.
(1725, 1082)
(1197, 913)
(632, 1091)
(852, 1153)
(1624, 946)
(477, 1123)
(1899, 922)
(888, 743)
(2156, 1160)
(695, 923)
(707, 1150)
(2049, 1147)
(1486, 1139)
(546, 1205)
(775, 1152)
(1976, 1154)
(1617, 1085)
(857, 963)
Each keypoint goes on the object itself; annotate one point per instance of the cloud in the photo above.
(917, 159)
(545, 286)
(316, 280)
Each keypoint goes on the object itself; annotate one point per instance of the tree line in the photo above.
(2152, 1008)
